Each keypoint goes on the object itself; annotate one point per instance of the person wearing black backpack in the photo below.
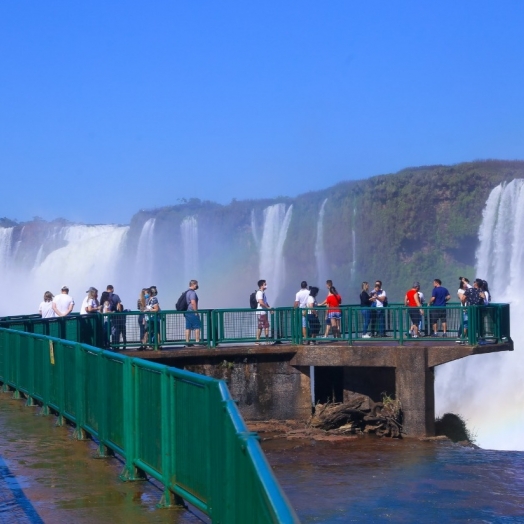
(262, 316)
(193, 322)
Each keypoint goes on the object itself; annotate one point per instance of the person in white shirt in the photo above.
(262, 307)
(378, 296)
(46, 307)
(301, 302)
(90, 303)
(63, 304)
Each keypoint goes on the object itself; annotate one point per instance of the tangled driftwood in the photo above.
(360, 414)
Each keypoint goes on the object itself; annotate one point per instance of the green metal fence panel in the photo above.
(181, 428)
(285, 325)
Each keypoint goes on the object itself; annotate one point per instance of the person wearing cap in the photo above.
(412, 300)
(90, 303)
(63, 304)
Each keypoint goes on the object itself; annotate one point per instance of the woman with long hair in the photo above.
(141, 303)
(46, 307)
(333, 301)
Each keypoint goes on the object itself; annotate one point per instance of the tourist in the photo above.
(105, 308)
(474, 296)
(439, 298)
(412, 300)
(119, 327)
(463, 286)
(90, 303)
(153, 307)
(485, 290)
(301, 302)
(312, 314)
(46, 307)
(142, 322)
(366, 303)
(261, 312)
(114, 299)
(193, 322)
(379, 298)
(63, 304)
(333, 301)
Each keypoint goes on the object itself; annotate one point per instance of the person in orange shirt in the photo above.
(412, 300)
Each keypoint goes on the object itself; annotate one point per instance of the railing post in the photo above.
(16, 374)
(129, 393)
(102, 388)
(168, 442)
(33, 368)
(80, 393)
(60, 366)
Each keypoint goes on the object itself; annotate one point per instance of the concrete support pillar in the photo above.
(415, 390)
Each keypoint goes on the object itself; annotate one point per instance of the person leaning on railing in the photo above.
(366, 302)
(412, 300)
(142, 322)
(46, 307)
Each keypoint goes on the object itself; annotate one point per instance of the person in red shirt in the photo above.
(333, 301)
(412, 300)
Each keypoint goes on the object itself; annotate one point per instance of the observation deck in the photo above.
(294, 368)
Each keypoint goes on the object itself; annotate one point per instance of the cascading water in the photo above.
(320, 254)
(254, 229)
(272, 267)
(6, 234)
(353, 247)
(87, 256)
(145, 253)
(487, 389)
(189, 232)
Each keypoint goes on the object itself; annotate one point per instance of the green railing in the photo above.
(286, 325)
(181, 428)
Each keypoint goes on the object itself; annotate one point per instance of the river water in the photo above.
(46, 476)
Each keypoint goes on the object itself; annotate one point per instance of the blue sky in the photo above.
(110, 107)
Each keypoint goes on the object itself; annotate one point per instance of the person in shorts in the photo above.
(439, 298)
(193, 322)
(262, 307)
(301, 302)
(412, 300)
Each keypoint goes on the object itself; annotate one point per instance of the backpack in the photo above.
(385, 303)
(181, 303)
(253, 302)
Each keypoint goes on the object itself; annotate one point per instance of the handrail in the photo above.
(181, 428)
(285, 325)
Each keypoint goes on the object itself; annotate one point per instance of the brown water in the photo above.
(46, 476)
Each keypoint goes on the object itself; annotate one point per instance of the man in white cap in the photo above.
(63, 304)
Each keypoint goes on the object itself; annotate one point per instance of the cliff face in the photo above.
(419, 224)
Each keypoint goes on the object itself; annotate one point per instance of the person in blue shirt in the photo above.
(439, 298)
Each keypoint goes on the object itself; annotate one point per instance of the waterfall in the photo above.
(91, 257)
(6, 234)
(276, 224)
(320, 254)
(77, 256)
(254, 229)
(145, 255)
(487, 389)
(353, 247)
(189, 232)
